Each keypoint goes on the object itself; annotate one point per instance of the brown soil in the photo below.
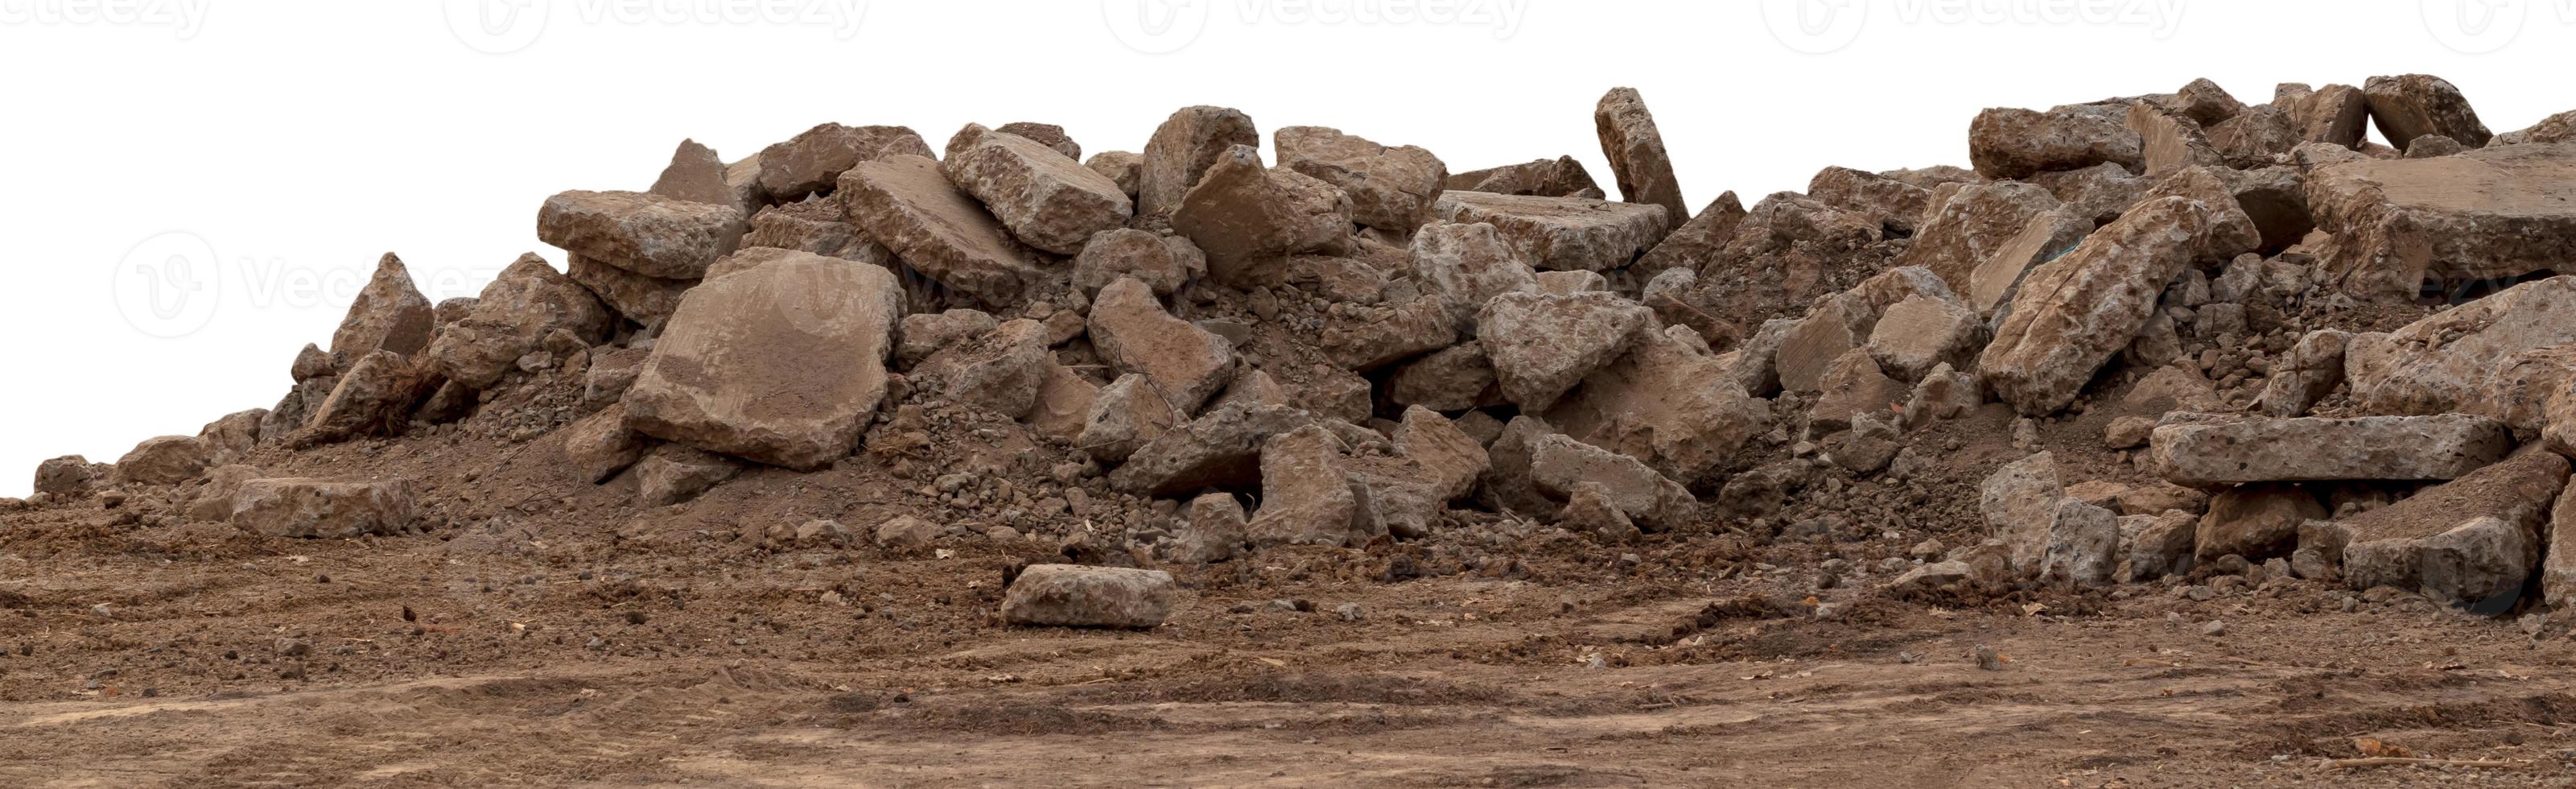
(543, 631)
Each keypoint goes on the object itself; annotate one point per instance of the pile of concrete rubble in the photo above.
(1343, 342)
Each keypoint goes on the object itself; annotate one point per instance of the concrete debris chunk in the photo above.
(1184, 363)
(1542, 345)
(2073, 314)
(1249, 218)
(1182, 150)
(782, 364)
(2200, 450)
(1563, 233)
(1046, 199)
(1635, 148)
(315, 508)
(1391, 188)
(2019, 143)
(1063, 595)
(906, 204)
(2411, 106)
(648, 234)
(815, 160)
(1558, 177)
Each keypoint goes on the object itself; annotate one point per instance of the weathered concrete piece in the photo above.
(1183, 149)
(2200, 450)
(2410, 106)
(1046, 199)
(388, 315)
(906, 204)
(1665, 401)
(1392, 188)
(1185, 363)
(2073, 314)
(313, 508)
(648, 234)
(1563, 233)
(815, 160)
(1249, 219)
(2018, 143)
(2496, 213)
(2474, 538)
(782, 364)
(1635, 148)
(1542, 345)
(1062, 595)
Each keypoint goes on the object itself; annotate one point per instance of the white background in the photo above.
(288, 144)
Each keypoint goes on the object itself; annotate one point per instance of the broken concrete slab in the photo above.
(1541, 345)
(1182, 150)
(1563, 233)
(1063, 595)
(1392, 188)
(2498, 213)
(2019, 143)
(1046, 199)
(314, 508)
(2201, 450)
(782, 364)
(648, 234)
(815, 160)
(2073, 314)
(908, 205)
(1635, 148)
(1249, 218)
(2409, 106)
(1185, 364)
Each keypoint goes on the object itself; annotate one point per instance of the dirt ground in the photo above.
(543, 632)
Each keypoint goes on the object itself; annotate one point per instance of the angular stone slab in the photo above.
(2211, 451)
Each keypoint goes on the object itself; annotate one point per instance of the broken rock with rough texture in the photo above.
(2201, 450)
(1542, 345)
(1220, 449)
(815, 160)
(1921, 333)
(1563, 233)
(999, 372)
(2257, 522)
(165, 460)
(1185, 363)
(648, 234)
(2417, 105)
(906, 204)
(698, 176)
(674, 473)
(2073, 314)
(1163, 262)
(1665, 401)
(2450, 361)
(1559, 464)
(1391, 188)
(2497, 213)
(1046, 199)
(1063, 595)
(1979, 223)
(1697, 242)
(645, 300)
(2312, 370)
(782, 364)
(1126, 415)
(1248, 218)
(1558, 177)
(528, 302)
(1636, 152)
(2017, 143)
(314, 508)
(1182, 150)
(1465, 266)
(388, 315)
(1306, 496)
(601, 445)
(2467, 541)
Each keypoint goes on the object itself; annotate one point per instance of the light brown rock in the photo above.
(648, 234)
(2257, 522)
(2416, 105)
(601, 445)
(1665, 401)
(2073, 314)
(1046, 199)
(674, 473)
(164, 460)
(1563, 233)
(1981, 224)
(1464, 266)
(1697, 242)
(644, 300)
(1635, 148)
(1542, 345)
(2209, 451)
(528, 302)
(697, 175)
(782, 364)
(2017, 143)
(1164, 263)
(1248, 218)
(1391, 188)
(908, 206)
(815, 160)
(1061, 595)
(1185, 364)
(1000, 371)
(388, 315)
(2497, 213)
(1558, 177)
(314, 508)
(1182, 150)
